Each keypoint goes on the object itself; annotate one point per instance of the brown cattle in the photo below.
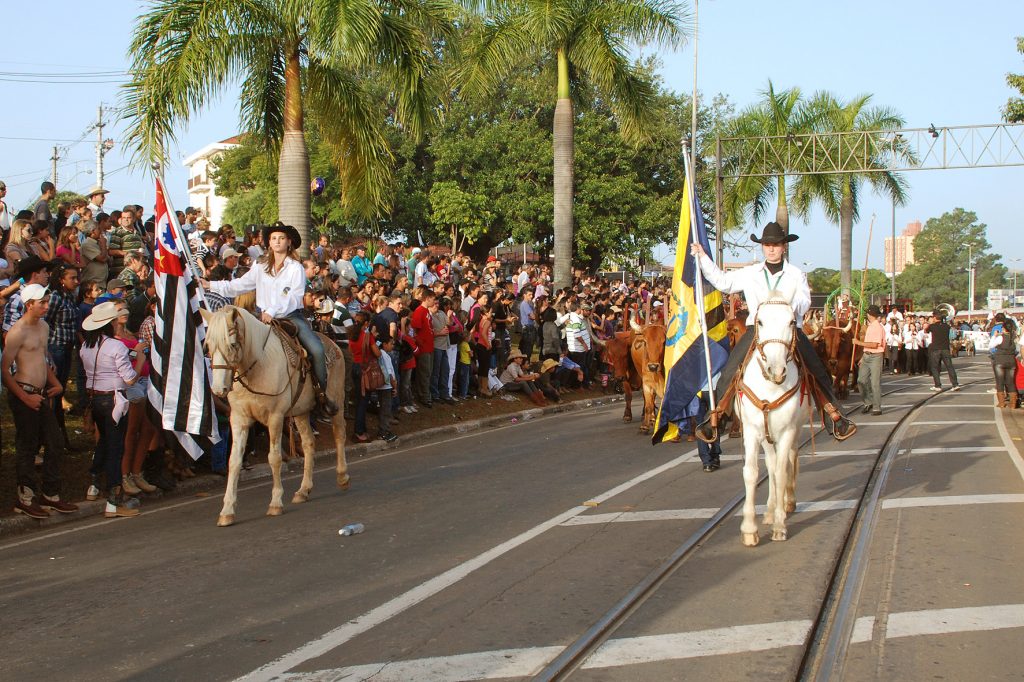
(647, 349)
(617, 354)
(837, 350)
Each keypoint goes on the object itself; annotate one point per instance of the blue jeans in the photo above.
(110, 448)
(313, 345)
(463, 373)
(439, 376)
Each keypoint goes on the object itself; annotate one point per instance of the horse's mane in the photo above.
(245, 325)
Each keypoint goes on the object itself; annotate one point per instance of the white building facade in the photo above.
(202, 189)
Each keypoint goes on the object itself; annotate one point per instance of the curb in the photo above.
(17, 525)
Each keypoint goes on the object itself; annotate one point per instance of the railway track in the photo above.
(826, 644)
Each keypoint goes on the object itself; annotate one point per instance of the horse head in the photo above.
(775, 338)
(225, 344)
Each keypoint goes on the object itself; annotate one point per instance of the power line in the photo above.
(42, 139)
(60, 82)
(63, 74)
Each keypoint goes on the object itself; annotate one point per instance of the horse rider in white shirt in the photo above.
(279, 280)
(756, 282)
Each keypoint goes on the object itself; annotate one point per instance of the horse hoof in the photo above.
(275, 511)
(225, 520)
(778, 536)
(750, 539)
(343, 481)
(300, 497)
(628, 418)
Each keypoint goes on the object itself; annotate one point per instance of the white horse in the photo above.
(767, 404)
(263, 382)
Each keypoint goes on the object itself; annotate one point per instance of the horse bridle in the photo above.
(239, 377)
(759, 344)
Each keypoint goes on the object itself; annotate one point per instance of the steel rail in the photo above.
(574, 655)
(829, 638)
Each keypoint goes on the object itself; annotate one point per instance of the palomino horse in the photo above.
(767, 403)
(263, 382)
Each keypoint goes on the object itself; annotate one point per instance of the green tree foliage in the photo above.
(827, 280)
(941, 251)
(463, 214)
(62, 195)
(1013, 112)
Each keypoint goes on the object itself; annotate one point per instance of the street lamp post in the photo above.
(892, 250)
(1014, 295)
(970, 277)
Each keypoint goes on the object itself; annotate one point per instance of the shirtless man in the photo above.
(34, 420)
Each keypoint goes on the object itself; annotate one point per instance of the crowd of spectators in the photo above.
(441, 327)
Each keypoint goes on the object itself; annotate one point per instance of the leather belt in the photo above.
(31, 390)
(91, 392)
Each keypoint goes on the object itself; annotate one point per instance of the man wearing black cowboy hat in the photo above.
(280, 283)
(756, 282)
(938, 350)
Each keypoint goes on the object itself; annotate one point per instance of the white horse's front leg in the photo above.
(794, 470)
(275, 426)
(781, 484)
(749, 528)
(239, 434)
(771, 457)
(308, 449)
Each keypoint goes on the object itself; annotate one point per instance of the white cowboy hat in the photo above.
(229, 253)
(326, 306)
(102, 314)
(515, 354)
(97, 190)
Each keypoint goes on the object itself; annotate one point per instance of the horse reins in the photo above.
(745, 391)
(239, 377)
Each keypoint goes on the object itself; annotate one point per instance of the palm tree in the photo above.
(777, 115)
(586, 38)
(839, 194)
(291, 55)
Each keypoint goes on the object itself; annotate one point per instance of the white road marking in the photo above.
(950, 500)
(343, 633)
(801, 507)
(819, 453)
(938, 451)
(860, 424)
(736, 639)
(932, 405)
(262, 483)
(958, 422)
(942, 621)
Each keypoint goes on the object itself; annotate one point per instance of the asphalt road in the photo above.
(485, 555)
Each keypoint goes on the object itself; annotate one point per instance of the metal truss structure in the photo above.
(869, 151)
(982, 146)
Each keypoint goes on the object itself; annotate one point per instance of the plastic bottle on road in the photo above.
(352, 529)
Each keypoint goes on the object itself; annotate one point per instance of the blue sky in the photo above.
(935, 62)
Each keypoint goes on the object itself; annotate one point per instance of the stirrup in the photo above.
(327, 406)
(707, 431)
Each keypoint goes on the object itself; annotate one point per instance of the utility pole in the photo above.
(99, 146)
(54, 159)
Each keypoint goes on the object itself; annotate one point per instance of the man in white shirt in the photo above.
(97, 195)
(5, 213)
(757, 282)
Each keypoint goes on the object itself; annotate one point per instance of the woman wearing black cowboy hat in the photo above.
(756, 282)
(279, 281)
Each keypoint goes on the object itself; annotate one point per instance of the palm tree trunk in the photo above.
(293, 167)
(563, 148)
(782, 212)
(846, 238)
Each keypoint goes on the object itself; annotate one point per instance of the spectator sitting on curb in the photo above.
(515, 378)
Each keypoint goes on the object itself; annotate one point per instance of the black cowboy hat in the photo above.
(292, 233)
(874, 311)
(773, 234)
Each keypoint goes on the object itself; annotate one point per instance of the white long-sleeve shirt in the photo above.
(756, 282)
(276, 295)
(912, 340)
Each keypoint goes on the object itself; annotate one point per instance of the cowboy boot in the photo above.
(327, 406)
(1000, 399)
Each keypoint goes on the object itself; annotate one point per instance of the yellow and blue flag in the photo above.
(685, 367)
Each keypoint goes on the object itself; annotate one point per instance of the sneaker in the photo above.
(935, 389)
(407, 409)
(955, 388)
(55, 504)
(93, 493)
(129, 485)
(414, 408)
(143, 485)
(876, 412)
(127, 507)
(390, 437)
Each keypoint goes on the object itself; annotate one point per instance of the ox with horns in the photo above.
(840, 356)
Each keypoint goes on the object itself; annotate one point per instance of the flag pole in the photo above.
(172, 221)
(698, 279)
